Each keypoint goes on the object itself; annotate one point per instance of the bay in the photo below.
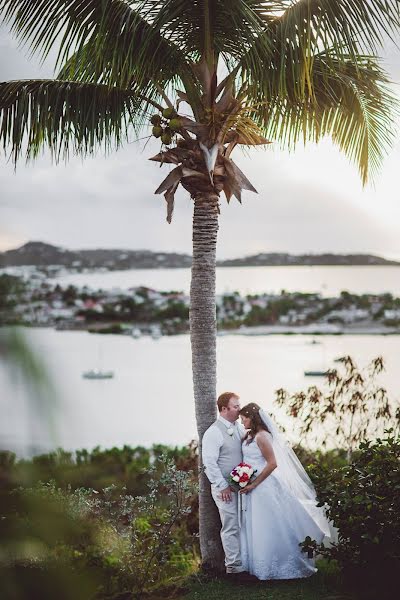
(150, 399)
(329, 281)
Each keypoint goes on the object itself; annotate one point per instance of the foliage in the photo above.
(108, 329)
(109, 537)
(99, 468)
(325, 459)
(352, 409)
(271, 313)
(175, 310)
(22, 361)
(363, 500)
(295, 72)
(388, 303)
(11, 291)
(110, 313)
(93, 541)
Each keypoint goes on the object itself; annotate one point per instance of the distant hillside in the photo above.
(284, 260)
(42, 255)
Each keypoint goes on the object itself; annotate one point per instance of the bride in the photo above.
(279, 506)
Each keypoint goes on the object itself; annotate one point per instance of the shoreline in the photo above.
(310, 330)
(256, 330)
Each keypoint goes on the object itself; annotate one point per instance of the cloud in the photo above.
(95, 202)
(303, 218)
(309, 201)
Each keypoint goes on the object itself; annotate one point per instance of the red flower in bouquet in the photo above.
(241, 475)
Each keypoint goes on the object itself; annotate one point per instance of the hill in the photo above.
(41, 255)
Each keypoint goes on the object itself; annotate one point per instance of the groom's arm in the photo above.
(211, 444)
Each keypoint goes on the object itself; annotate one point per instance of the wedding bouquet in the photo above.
(241, 475)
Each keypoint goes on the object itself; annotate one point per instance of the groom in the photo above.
(222, 452)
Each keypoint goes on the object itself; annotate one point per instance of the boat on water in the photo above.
(315, 373)
(320, 369)
(98, 374)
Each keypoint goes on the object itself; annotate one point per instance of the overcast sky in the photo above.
(308, 201)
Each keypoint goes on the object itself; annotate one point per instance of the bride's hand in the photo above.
(247, 489)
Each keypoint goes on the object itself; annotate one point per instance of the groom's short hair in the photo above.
(223, 399)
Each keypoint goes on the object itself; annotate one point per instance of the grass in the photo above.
(325, 585)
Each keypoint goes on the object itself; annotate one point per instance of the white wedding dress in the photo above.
(273, 522)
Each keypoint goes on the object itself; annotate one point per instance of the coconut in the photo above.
(166, 139)
(169, 113)
(175, 124)
(157, 131)
(155, 120)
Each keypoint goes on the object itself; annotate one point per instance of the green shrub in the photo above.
(109, 540)
(97, 468)
(364, 504)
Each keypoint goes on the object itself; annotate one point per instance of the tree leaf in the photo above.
(210, 157)
(171, 179)
(170, 199)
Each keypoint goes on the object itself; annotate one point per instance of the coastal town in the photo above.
(32, 299)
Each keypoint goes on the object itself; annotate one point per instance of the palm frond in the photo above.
(299, 71)
(352, 104)
(357, 25)
(87, 66)
(120, 43)
(225, 26)
(281, 60)
(66, 116)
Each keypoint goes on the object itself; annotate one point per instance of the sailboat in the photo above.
(317, 372)
(98, 373)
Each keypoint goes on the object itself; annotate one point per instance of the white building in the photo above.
(392, 314)
(348, 315)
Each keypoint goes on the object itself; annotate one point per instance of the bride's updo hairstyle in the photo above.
(252, 412)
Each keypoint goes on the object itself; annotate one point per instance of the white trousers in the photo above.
(230, 531)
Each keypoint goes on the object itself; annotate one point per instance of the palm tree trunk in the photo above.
(203, 332)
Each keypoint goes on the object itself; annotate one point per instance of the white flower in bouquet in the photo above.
(242, 475)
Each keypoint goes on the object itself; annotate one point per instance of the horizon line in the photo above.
(389, 256)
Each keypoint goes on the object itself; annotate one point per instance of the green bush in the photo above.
(364, 503)
(110, 542)
(172, 311)
(97, 468)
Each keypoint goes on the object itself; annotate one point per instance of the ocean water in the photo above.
(150, 398)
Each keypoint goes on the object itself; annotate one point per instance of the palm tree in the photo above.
(210, 75)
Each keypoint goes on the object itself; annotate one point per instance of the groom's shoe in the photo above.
(241, 578)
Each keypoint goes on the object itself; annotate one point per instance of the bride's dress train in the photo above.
(273, 523)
